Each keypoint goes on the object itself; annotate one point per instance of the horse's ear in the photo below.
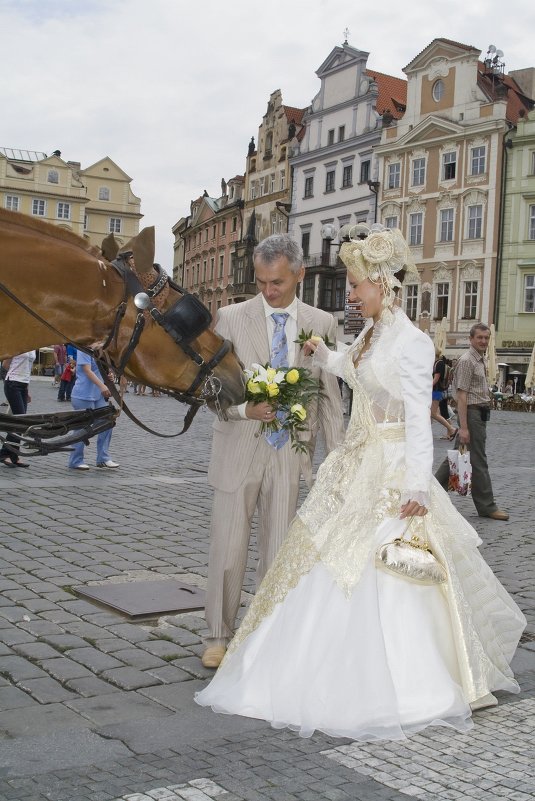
(110, 247)
(143, 249)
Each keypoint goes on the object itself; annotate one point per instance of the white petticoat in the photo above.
(379, 665)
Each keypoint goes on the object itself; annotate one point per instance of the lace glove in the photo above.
(331, 361)
(420, 497)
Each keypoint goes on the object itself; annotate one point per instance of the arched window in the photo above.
(438, 91)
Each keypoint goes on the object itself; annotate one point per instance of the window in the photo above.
(415, 228)
(252, 191)
(221, 265)
(269, 145)
(213, 231)
(443, 293)
(218, 304)
(330, 137)
(104, 193)
(341, 133)
(364, 171)
(272, 183)
(329, 180)
(475, 220)
(86, 222)
(394, 175)
(478, 161)
(531, 222)
(206, 234)
(391, 222)
(282, 182)
(340, 293)
(308, 290)
(115, 225)
(438, 91)
(532, 163)
(411, 303)
(309, 186)
(305, 243)
(529, 293)
(53, 177)
(446, 225)
(470, 300)
(347, 176)
(234, 224)
(326, 293)
(274, 224)
(38, 207)
(418, 172)
(449, 166)
(223, 228)
(12, 202)
(212, 268)
(64, 211)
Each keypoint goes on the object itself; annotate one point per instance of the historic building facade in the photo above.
(91, 202)
(440, 169)
(334, 169)
(515, 308)
(210, 234)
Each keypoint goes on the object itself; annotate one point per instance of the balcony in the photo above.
(245, 288)
(321, 259)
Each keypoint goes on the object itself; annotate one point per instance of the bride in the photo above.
(331, 642)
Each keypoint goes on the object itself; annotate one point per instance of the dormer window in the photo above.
(438, 91)
(103, 193)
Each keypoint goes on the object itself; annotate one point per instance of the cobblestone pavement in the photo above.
(96, 708)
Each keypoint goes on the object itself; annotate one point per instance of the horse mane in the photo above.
(46, 229)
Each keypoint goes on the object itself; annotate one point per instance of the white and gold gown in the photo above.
(330, 642)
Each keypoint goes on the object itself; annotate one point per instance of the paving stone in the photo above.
(128, 678)
(37, 651)
(163, 648)
(93, 659)
(138, 658)
(170, 674)
(46, 691)
(89, 686)
(62, 668)
(18, 668)
(64, 642)
(40, 719)
(117, 707)
(13, 698)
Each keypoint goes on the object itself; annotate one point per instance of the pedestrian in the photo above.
(90, 392)
(331, 641)
(68, 378)
(16, 384)
(438, 393)
(249, 471)
(60, 360)
(473, 398)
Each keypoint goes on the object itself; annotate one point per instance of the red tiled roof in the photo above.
(237, 179)
(516, 99)
(392, 95)
(293, 114)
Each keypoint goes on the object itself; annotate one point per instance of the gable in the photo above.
(441, 49)
(340, 58)
(106, 169)
(431, 128)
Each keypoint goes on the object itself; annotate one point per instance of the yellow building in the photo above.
(92, 202)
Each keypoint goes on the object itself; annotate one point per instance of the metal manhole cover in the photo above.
(145, 599)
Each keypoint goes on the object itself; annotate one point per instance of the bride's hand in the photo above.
(309, 347)
(412, 509)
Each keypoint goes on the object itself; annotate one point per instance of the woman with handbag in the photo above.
(378, 617)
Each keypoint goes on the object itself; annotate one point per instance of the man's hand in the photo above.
(464, 436)
(260, 411)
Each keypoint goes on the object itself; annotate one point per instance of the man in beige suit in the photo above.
(246, 471)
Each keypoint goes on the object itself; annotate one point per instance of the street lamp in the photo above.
(374, 187)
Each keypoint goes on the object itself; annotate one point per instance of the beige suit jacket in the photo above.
(236, 441)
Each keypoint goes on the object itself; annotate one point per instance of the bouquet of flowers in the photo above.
(289, 391)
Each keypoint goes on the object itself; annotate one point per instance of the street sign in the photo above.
(353, 318)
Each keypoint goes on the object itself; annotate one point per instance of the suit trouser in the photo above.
(482, 493)
(272, 487)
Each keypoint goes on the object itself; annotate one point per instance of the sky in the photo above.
(172, 91)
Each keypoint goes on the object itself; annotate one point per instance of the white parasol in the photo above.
(492, 363)
(530, 375)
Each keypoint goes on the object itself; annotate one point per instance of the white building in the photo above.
(334, 167)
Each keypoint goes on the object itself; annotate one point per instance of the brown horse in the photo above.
(68, 284)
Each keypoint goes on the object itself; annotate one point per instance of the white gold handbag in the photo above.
(411, 559)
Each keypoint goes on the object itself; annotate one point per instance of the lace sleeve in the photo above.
(415, 370)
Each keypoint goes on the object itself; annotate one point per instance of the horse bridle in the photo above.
(183, 322)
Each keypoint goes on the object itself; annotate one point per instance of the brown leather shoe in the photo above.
(213, 656)
(498, 515)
